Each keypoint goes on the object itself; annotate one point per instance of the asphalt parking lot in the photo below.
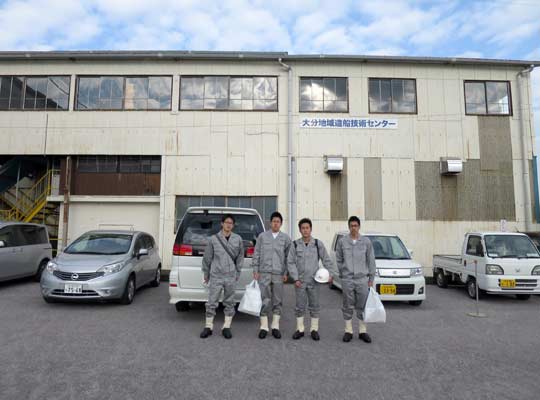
(149, 351)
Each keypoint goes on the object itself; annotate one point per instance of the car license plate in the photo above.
(508, 283)
(387, 289)
(74, 288)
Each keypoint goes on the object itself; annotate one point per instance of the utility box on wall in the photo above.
(333, 164)
(451, 166)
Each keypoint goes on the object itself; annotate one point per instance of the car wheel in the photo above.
(441, 279)
(129, 291)
(523, 296)
(471, 288)
(415, 302)
(157, 277)
(182, 306)
(41, 268)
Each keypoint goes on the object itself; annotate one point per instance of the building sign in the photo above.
(352, 123)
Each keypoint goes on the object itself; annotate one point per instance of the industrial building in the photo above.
(428, 148)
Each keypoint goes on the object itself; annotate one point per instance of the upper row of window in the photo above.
(254, 93)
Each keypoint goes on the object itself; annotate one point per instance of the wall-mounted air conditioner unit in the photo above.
(451, 166)
(333, 164)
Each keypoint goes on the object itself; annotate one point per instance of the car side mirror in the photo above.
(142, 252)
(2, 243)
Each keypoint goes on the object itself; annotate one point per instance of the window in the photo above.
(33, 234)
(119, 164)
(474, 246)
(396, 96)
(265, 205)
(228, 93)
(10, 237)
(487, 98)
(124, 93)
(324, 95)
(34, 92)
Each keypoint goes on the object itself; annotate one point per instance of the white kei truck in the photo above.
(493, 262)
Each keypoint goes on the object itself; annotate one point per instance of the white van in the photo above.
(197, 225)
(398, 277)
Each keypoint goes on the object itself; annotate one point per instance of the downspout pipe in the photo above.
(523, 142)
(291, 175)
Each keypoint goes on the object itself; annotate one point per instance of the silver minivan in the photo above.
(25, 250)
(103, 265)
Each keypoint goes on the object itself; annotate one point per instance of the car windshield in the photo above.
(510, 246)
(196, 228)
(100, 243)
(389, 248)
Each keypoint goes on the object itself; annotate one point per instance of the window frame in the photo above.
(125, 77)
(24, 93)
(323, 111)
(487, 114)
(476, 248)
(392, 111)
(228, 92)
(118, 159)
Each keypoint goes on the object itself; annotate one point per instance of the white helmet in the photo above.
(322, 275)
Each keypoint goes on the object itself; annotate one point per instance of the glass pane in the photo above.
(136, 93)
(305, 90)
(88, 93)
(258, 204)
(236, 88)
(311, 106)
(191, 88)
(58, 92)
(403, 96)
(379, 95)
(5, 92)
(159, 92)
(130, 164)
(498, 98)
(329, 105)
(270, 205)
(475, 98)
(265, 104)
(151, 165)
(245, 202)
(265, 88)
(191, 104)
(219, 201)
(341, 89)
(87, 164)
(247, 88)
(17, 93)
(107, 163)
(341, 106)
(233, 201)
(317, 89)
(329, 89)
(207, 201)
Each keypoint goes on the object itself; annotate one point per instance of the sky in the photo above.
(508, 29)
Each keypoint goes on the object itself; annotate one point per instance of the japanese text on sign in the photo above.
(356, 123)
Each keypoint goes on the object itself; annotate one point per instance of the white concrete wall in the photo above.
(245, 153)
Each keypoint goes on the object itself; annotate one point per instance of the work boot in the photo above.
(297, 335)
(226, 332)
(347, 337)
(315, 335)
(365, 337)
(276, 333)
(205, 333)
(262, 334)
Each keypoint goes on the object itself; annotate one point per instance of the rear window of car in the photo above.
(196, 228)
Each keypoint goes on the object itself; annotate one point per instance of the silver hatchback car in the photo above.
(103, 265)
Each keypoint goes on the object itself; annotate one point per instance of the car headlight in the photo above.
(492, 269)
(417, 271)
(51, 266)
(111, 268)
(536, 270)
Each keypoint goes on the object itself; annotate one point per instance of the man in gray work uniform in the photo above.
(221, 267)
(303, 263)
(355, 260)
(270, 270)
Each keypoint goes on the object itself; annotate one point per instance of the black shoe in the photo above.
(226, 332)
(262, 334)
(347, 337)
(276, 333)
(365, 337)
(205, 333)
(315, 335)
(297, 335)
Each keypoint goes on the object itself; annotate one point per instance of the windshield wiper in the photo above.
(84, 252)
(509, 256)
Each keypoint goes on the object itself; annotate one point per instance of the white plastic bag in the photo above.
(251, 302)
(374, 310)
